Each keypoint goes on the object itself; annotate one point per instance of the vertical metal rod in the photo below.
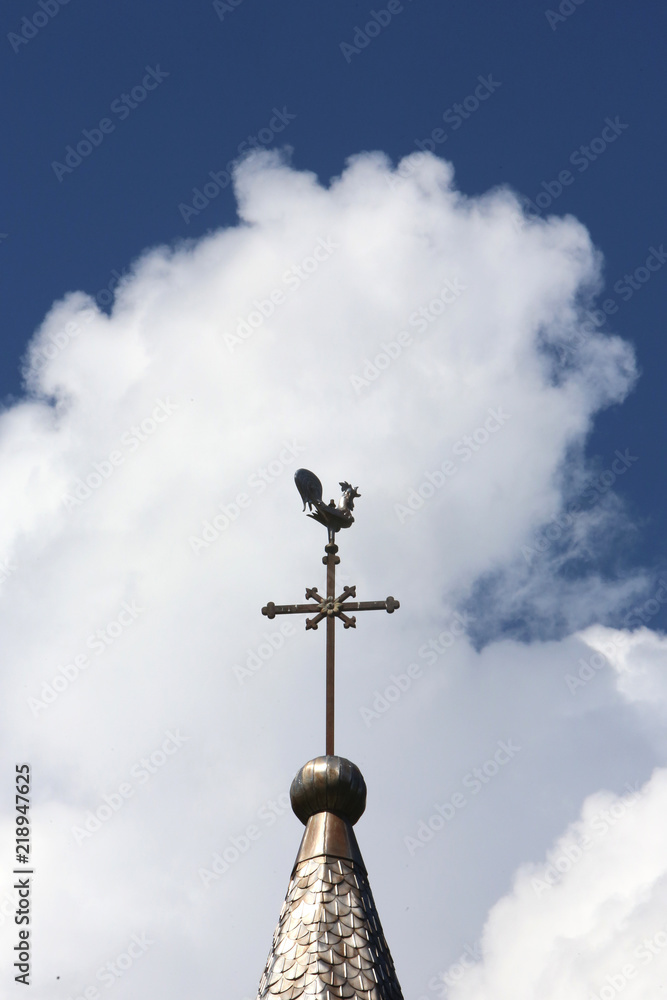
(331, 549)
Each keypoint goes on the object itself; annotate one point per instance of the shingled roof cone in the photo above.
(329, 942)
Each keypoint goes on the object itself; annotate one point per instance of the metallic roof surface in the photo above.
(329, 942)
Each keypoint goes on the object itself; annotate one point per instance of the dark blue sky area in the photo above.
(200, 78)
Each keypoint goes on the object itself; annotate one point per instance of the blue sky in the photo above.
(419, 247)
(557, 79)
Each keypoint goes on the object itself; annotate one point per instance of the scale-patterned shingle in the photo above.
(329, 943)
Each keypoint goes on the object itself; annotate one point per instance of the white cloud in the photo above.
(639, 658)
(590, 922)
(148, 513)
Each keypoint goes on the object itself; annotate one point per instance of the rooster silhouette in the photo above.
(331, 516)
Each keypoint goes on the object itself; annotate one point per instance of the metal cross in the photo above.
(329, 607)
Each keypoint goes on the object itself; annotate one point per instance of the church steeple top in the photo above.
(329, 942)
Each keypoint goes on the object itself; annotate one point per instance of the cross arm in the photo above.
(330, 607)
(390, 605)
(271, 609)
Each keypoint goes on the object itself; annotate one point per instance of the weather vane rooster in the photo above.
(333, 516)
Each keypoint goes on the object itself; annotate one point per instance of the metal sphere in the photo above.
(329, 784)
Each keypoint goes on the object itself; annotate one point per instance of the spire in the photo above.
(329, 943)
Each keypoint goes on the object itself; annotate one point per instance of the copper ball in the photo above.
(329, 784)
